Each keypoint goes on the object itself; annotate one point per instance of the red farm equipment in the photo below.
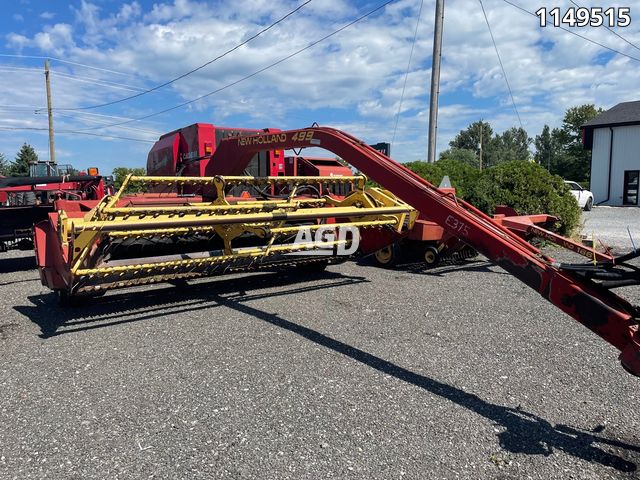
(25, 201)
(223, 220)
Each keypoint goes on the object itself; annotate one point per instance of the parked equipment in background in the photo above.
(118, 241)
(25, 201)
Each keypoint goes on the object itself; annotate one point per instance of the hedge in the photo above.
(525, 186)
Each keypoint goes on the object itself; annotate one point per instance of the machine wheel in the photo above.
(588, 205)
(431, 256)
(388, 256)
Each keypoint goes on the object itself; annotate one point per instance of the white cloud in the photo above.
(47, 15)
(17, 17)
(355, 79)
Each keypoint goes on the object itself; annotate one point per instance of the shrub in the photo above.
(528, 188)
(462, 175)
(524, 186)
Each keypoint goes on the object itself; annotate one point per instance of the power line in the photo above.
(612, 30)
(406, 75)
(11, 68)
(504, 73)
(257, 72)
(169, 82)
(79, 78)
(18, 108)
(37, 57)
(74, 115)
(577, 34)
(95, 81)
(101, 122)
(76, 132)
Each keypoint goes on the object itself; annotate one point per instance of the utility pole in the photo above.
(435, 80)
(52, 150)
(481, 144)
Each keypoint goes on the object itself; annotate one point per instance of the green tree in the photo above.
(513, 144)
(546, 147)
(528, 188)
(573, 161)
(460, 155)
(20, 166)
(120, 173)
(4, 165)
(469, 139)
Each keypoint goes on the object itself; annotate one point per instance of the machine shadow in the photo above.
(17, 264)
(446, 266)
(523, 433)
(141, 305)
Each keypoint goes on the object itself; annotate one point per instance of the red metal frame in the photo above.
(600, 310)
(187, 151)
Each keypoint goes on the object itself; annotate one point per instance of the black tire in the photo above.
(588, 205)
(389, 256)
(431, 256)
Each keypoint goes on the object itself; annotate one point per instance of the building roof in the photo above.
(627, 113)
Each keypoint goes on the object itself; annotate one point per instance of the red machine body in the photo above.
(25, 201)
(187, 152)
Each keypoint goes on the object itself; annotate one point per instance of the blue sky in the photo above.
(104, 50)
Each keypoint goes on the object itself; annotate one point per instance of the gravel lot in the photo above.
(360, 372)
(610, 224)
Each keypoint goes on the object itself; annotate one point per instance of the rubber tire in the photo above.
(388, 257)
(588, 205)
(431, 256)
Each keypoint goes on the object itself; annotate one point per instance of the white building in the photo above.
(614, 140)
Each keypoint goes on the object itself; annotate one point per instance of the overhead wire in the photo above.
(11, 68)
(576, 34)
(612, 30)
(94, 121)
(406, 75)
(39, 57)
(257, 72)
(95, 81)
(169, 82)
(504, 73)
(77, 132)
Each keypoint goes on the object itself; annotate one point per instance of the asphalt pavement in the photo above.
(360, 372)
